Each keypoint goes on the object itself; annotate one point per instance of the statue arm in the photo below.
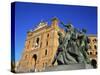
(63, 24)
(80, 35)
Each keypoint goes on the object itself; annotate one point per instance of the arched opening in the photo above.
(90, 53)
(35, 59)
(37, 42)
(47, 35)
(95, 47)
(94, 40)
(46, 52)
(96, 53)
(94, 63)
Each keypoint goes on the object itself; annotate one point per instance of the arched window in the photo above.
(95, 47)
(46, 52)
(94, 63)
(47, 43)
(47, 35)
(94, 40)
(35, 57)
(96, 53)
(90, 53)
(37, 42)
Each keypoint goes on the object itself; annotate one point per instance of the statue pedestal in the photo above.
(68, 67)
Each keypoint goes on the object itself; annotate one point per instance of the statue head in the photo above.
(60, 33)
(84, 30)
(70, 27)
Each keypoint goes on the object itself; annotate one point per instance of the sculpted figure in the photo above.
(72, 46)
(84, 45)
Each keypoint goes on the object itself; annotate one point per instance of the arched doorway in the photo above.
(34, 57)
(94, 63)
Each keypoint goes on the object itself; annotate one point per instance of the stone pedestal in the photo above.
(60, 68)
(68, 67)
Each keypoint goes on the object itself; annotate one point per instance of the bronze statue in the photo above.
(72, 47)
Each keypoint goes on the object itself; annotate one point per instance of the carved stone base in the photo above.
(69, 67)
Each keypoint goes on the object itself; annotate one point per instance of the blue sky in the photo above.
(28, 16)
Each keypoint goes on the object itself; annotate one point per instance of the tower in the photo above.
(54, 22)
